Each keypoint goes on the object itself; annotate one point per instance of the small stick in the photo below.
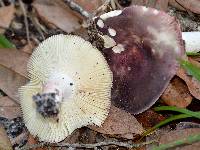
(90, 146)
(74, 6)
(2, 3)
(25, 20)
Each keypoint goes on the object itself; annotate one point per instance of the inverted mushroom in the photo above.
(70, 87)
(141, 46)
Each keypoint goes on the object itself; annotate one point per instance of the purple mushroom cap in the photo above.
(142, 46)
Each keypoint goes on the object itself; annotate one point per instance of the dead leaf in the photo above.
(192, 5)
(181, 134)
(158, 4)
(149, 118)
(32, 141)
(192, 83)
(176, 5)
(10, 82)
(15, 60)
(57, 13)
(89, 5)
(6, 16)
(177, 94)
(119, 122)
(8, 108)
(28, 48)
(4, 140)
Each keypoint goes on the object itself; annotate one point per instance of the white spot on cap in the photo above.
(100, 23)
(163, 36)
(144, 8)
(155, 12)
(129, 68)
(108, 41)
(111, 14)
(118, 48)
(112, 32)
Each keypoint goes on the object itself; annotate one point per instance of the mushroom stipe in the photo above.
(68, 89)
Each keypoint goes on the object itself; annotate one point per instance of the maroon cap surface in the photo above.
(141, 46)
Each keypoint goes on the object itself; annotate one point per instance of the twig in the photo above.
(37, 26)
(186, 141)
(2, 3)
(25, 20)
(90, 146)
(74, 6)
(102, 8)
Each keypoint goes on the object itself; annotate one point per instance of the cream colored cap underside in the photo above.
(92, 80)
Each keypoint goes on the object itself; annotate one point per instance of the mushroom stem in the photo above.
(57, 88)
(192, 41)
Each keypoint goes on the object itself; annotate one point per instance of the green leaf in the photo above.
(191, 68)
(4, 43)
(188, 140)
(185, 114)
(193, 53)
(164, 122)
(181, 110)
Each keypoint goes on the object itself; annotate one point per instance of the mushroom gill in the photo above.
(70, 87)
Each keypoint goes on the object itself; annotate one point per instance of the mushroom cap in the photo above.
(90, 101)
(141, 46)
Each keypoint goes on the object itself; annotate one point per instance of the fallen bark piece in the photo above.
(58, 14)
(177, 94)
(119, 122)
(6, 16)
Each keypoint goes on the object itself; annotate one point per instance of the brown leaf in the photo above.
(15, 60)
(192, 83)
(119, 122)
(58, 14)
(176, 5)
(158, 4)
(149, 118)
(4, 140)
(89, 5)
(32, 141)
(10, 81)
(180, 134)
(6, 16)
(192, 5)
(8, 108)
(177, 94)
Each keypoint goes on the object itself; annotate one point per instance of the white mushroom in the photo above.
(192, 41)
(68, 73)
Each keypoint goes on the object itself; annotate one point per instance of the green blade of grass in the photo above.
(164, 122)
(193, 53)
(181, 110)
(191, 68)
(188, 140)
(4, 43)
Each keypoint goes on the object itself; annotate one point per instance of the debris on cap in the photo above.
(141, 46)
(70, 87)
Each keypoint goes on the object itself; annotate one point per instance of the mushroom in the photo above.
(192, 41)
(70, 87)
(141, 46)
